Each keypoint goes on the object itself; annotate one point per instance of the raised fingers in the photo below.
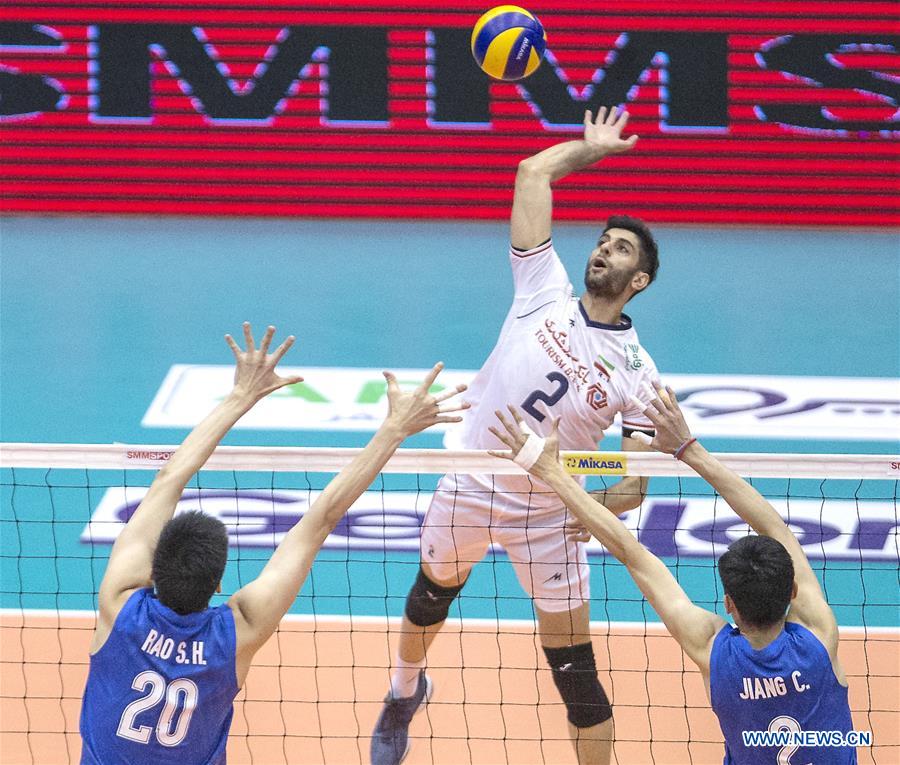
(248, 337)
(391, 382)
(281, 349)
(673, 400)
(659, 405)
(668, 400)
(456, 406)
(431, 376)
(649, 412)
(662, 395)
(515, 414)
(510, 427)
(449, 393)
(267, 339)
(655, 401)
(503, 437)
(447, 418)
(235, 348)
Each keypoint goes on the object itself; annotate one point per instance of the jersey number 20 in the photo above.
(561, 386)
(168, 732)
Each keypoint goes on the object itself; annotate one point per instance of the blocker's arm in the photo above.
(693, 627)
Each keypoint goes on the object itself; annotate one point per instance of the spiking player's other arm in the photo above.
(809, 606)
(131, 559)
(629, 492)
(259, 606)
(693, 627)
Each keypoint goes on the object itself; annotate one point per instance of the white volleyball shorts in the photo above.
(466, 517)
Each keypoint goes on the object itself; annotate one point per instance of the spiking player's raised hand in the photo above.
(605, 132)
(254, 372)
(413, 411)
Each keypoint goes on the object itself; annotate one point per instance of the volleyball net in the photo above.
(317, 686)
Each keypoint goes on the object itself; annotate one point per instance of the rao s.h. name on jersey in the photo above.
(160, 690)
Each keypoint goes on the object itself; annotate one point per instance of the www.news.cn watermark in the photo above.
(807, 738)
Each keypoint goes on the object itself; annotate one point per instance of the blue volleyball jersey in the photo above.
(788, 685)
(161, 688)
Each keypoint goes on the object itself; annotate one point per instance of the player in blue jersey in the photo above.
(778, 669)
(165, 667)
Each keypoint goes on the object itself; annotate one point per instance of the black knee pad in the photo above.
(575, 675)
(429, 603)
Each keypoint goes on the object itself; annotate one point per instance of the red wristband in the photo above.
(681, 449)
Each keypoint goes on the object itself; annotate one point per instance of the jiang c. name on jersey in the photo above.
(552, 361)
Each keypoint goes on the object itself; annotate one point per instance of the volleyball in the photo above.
(508, 42)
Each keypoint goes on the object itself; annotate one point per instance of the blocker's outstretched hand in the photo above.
(254, 372)
(672, 431)
(516, 435)
(546, 462)
(413, 411)
(606, 131)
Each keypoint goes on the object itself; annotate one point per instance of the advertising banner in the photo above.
(702, 527)
(727, 406)
(748, 112)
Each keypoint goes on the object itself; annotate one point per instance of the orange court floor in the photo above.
(316, 689)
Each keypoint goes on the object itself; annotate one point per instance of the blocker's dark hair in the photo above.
(189, 561)
(648, 257)
(758, 575)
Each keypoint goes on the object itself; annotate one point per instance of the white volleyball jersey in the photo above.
(552, 361)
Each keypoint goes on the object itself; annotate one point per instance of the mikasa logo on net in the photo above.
(595, 464)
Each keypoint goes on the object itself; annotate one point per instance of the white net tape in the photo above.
(436, 461)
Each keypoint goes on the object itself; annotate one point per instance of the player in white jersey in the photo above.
(558, 356)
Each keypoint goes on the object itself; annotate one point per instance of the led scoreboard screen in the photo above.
(748, 111)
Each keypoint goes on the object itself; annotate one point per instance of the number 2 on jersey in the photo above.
(164, 732)
(784, 724)
(561, 386)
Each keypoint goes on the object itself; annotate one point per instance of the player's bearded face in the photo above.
(612, 264)
(607, 279)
